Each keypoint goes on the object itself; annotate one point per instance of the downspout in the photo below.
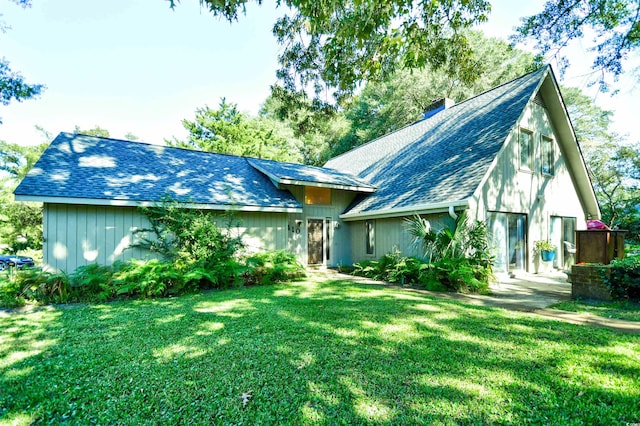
(452, 212)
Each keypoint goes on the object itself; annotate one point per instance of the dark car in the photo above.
(13, 261)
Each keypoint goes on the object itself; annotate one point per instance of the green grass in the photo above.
(624, 310)
(314, 352)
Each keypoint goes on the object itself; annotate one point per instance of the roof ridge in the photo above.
(457, 104)
(71, 135)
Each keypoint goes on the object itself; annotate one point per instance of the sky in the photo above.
(137, 66)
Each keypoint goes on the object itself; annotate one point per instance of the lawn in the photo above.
(624, 310)
(313, 352)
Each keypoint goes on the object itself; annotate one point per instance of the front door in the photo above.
(314, 241)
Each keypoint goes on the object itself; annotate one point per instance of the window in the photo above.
(317, 195)
(525, 140)
(547, 155)
(327, 243)
(370, 236)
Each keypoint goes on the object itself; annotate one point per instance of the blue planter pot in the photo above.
(547, 256)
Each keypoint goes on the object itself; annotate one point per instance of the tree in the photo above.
(615, 25)
(17, 160)
(12, 85)
(20, 223)
(95, 131)
(228, 131)
(317, 125)
(336, 45)
(614, 167)
(383, 107)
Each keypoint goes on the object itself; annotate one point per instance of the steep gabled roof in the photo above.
(90, 170)
(298, 174)
(440, 160)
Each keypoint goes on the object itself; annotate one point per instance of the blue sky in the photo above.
(137, 66)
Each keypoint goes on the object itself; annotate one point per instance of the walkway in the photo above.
(530, 293)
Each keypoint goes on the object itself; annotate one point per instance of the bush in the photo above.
(624, 278)
(461, 274)
(189, 237)
(34, 284)
(143, 278)
(272, 267)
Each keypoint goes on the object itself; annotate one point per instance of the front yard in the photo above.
(318, 351)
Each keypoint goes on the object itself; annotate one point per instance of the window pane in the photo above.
(547, 155)
(526, 143)
(370, 237)
(316, 195)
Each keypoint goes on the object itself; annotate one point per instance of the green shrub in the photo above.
(189, 237)
(271, 267)
(148, 278)
(10, 292)
(624, 278)
(461, 274)
(94, 282)
(35, 285)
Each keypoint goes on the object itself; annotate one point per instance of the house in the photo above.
(508, 156)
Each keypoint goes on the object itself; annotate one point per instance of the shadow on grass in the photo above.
(312, 352)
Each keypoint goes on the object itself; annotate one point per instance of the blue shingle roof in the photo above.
(442, 159)
(311, 175)
(86, 167)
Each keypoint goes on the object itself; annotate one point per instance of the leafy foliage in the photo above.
(622, 277)
(16, 287)
(228, 131)
(20, 222)
(615, 24)
(337, 45)
(143, 279)
(17, 160)
(402, 97)
(95, 131)
(271, 267)
(613, 165)
(458, 259)
(13, 86)
(190, 236)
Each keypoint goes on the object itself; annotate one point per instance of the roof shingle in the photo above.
(442, 159)
(86, 167)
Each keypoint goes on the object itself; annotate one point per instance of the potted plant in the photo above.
(546, 250)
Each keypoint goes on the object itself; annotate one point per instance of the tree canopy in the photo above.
(226, 130)
(332, 46)
(12, 84)
(614, 26)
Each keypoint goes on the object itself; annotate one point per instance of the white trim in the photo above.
(404, 211)
(296, 182)
(285, 181)
(133, 203)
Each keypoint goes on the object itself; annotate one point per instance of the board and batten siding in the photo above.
(539, 196)
(391, 234)
(260, 231)
(340, 239)
(76, 235)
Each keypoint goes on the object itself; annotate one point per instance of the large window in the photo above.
(509, 240)
(317, 195)
(547, 155)
(370, 236)
(525, 141)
